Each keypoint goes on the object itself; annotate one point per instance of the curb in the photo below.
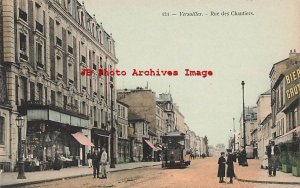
(268, 182)
(67, 177)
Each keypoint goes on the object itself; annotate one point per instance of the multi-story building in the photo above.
(285, 85)
(44, 47)
(161, 126)
(138, 133)
(250, 125)
(178, 119)
(123, 154)
(263, 110)
(166, 100)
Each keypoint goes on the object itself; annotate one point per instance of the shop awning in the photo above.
(151, 145)
(82, 139)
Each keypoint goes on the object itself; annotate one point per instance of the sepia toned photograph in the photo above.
(150, 93)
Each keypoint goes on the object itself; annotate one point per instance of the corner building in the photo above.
(44, 46)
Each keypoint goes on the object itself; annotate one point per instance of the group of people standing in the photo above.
(222, 165)
(95, 160)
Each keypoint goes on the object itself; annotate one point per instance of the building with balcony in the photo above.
(44, 46)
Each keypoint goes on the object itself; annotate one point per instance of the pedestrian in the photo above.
(230, 166)
(103, 163)
(89, 158)
(273, 152)
(96, 163)
(221, 169)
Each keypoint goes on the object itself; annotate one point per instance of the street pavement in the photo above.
(10, 179)
(201, 173)
(253, 173)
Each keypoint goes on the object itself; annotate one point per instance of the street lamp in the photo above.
(112, 129)
(20, 123)
(244, 129)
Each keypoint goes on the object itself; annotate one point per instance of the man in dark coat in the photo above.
(221, 169)
(273, 153)
(230, 167)
(96, 163)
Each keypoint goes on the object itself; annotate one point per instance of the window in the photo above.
(71, 71)
(23, 89)
(23, 5)
(59, 67)
(39, 55)
(59, 99)
(70, 42)
(32, 91)
(100, 36)
(23, 42)
(23, 47)
(1, 130)
(83, 109)
(40, 92)
(39, 18)
(58, 34)
(52, 97)
(65, 100)
(81, 21)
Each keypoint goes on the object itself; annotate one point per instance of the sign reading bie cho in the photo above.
(292, 84)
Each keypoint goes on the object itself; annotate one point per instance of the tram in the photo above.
(174, 152)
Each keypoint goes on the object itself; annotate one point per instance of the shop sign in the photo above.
(292, 84)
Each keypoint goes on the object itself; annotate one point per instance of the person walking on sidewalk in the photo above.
(103, 163)
(96, 163)
(273, 152)
(89, 158)
(221, 169)
(230, 167)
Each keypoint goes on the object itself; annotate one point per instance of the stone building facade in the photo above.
(45, 46)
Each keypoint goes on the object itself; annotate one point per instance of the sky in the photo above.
(234, 48)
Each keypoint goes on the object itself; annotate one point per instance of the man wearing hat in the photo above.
(230, 167)
(221, 169)
(273, 152)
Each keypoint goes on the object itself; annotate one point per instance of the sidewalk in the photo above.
(10, 179)
(253, 173)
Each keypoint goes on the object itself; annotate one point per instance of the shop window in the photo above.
(1, 130)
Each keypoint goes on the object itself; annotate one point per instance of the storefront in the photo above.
(100, 138)
(123, 150)
(53, 133)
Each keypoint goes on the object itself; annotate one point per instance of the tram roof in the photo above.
(172, 134)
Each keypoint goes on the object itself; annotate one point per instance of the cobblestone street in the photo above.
(201, 173)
